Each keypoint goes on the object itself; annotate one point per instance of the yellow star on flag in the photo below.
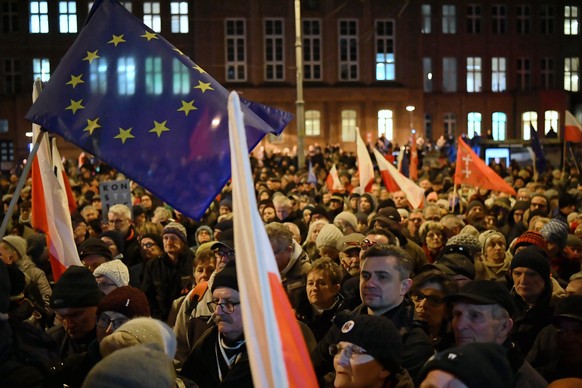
(124, 134)
(187, 107)
(91, 55)
(201, 70)
(149, 36)
(204, 86)
(92, 125)
(75, 106)
(75, 80)
(159, 128)
(178, 51)
(117, 39)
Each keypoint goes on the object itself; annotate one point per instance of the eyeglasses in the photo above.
(103, 321)
(350, 351)
(227, 306)
(116, 222)
(223, 253)
(365, 244)
(433, 300)
(149, 245)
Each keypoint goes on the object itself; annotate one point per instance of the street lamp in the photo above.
(410, 108)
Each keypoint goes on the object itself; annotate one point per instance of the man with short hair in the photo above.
(539, 203)
(119, 217)
(384, 283)
(482, 312)
(400, 200)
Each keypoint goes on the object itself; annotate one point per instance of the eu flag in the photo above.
(536, 146)
(126, 95)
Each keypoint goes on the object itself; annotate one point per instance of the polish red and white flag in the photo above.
(573, 129)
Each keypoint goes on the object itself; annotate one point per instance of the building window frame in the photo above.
(274, 33)
(473, 18)
(529, 120)
(68, 17)
(235, 49)
(450, 75)
(348, 63)
(498, 74)
(449, 19)
(312, 123)
(499, 18)
(151, 15)
(385, 53)
(547, 19)
(39, 18)
(499, 126)
(523, 19)
(571, 17)
(426, 12)
(386, 124)
(41, 68)
(312, 46)
(349, 122)
(523, 73)
(474, 75)
(572, 74)
(179, 17)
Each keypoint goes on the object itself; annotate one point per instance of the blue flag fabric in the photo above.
(536, 146)
(129, 97)
(311, 178)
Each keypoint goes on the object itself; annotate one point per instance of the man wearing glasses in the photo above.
(119, 217)
(220, 357)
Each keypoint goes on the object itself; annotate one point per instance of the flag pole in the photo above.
(20, 184)
(564, 157)
(454, 198)
(574, 159)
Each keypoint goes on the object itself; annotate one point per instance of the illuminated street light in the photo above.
(410, 108)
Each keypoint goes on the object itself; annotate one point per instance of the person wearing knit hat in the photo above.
(319, 213)
(119, 306)
(111, 275)
(368, 352)
(456, 262)
(177, 229)
(225, 206)
(347, 222)
(532, 293)
(367, 203)
(350, 247)
(327, 241)
(467, 241)
(226, 337)
(556, 234)
(114, 241)
(93, 252)
(528, 238)
(494, 262)
(478, 365)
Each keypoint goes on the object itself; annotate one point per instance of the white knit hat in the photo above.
(328, 236)
(348, 217)
(115, 270)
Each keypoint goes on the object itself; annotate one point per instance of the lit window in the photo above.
(473, 124)
(41, 68)
(3, 126)
(98, 76)
(529, 120)
(498, 74)
(126, 76)
(348, 50)
(473, 19)
(426, 19)
(9, 12)
(571, 74)
(181, 78)
(551, 118)
(427, 74)
(312, 123)
(39, 23)
(67, 17)
(449, 19)
(153, 75)
(499, 127)
(499, 18)
(385, 63)
(547, 19)
(274, 50)
(474, 74)
(348, 125)
(450, 125)
(151, 15)
(386, 124)
(312, 63)
(236, 68)
(449, 74)
(571, 20)
(179, 12)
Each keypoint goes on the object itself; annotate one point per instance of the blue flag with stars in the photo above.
(126, 95)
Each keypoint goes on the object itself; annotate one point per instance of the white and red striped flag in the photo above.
(50, 206)
(573, 129)
(394, 181)
(333, 183)
(413, 167)
(277, 352)
(365, 166)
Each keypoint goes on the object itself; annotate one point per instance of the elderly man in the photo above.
(119, 217)
(384, 282)
(482, 312)
(220, 357)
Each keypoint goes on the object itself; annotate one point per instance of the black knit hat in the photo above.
(94, 246)
(226, 277)
(532, 257)
(485, 292)
(77, 287)
(127, 300)
(377, 335)
(117, 238)
(475, 364)
(567, 199)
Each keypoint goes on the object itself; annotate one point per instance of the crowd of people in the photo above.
(475, 288)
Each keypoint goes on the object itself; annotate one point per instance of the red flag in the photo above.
(333, 182)
(413, 168)
(471, 170)
(365, 166)
(277, 352)
(573, 130)
(50, 209)
(395, 181)
(62, 176)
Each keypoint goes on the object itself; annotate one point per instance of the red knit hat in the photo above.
(129, 301)
(530, 238)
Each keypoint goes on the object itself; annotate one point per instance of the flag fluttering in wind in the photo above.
(394, 181)
(333, 183)
(311, 178)
(540, 162)
(471, 170)
(365, 166)
(573, 129)
(50, 205)
(126, 95)
(277, 352)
